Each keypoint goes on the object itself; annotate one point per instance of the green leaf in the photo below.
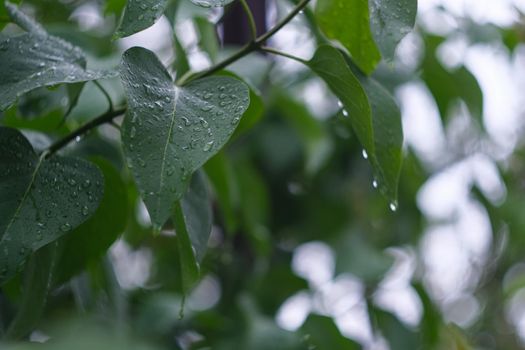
(317, 142)
(169, 132)
(221, 173)
(331, 66)
(212, 3)
(322, 333)
(189, 268)
(36, 59)
(139, 15)
(91, 240)
(398, 335)
(42, 199)
(388, 139)
(448, 87)
(208, 39)
(347, 21)
(198, 216)
(390, 21)
(181, 63)
(38, 279)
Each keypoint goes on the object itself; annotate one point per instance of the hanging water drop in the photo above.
(365, 155)
(345, 113)
(393, 206)
(375, 184)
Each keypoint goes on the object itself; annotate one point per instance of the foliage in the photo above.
(207, 180)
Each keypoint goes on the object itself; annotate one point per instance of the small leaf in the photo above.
(36, 59)
(347, 21)
(139, 15)
(42, 199)
(38, 279)
(212, 3)
(189, 268)
(169, 132)
(330, 65)
(391, 20)
(91, 240)
(321, 332)
(198, 216)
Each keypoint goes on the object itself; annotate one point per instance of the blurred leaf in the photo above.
(42, 199)
(92, 239)
(188, 265)
(391, 20)
(315, 137)
(356, 256)
(221, 173)
(196, 207)
(320, 332)
(192, 124)
(37, 59)
(448, 87)
(139, 15)
(38, 278)
(398, 336)
(181, 65)
(208, 39)
(347, 21)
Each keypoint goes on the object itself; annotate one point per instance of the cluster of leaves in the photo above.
(191, 144)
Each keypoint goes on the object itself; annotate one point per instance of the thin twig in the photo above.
(251, 20)
(106, 94)
(284, 54)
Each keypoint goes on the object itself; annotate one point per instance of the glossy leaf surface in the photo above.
(169, 132)
(42, 200)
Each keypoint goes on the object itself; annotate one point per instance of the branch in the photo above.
(104, 118)
(248, 48)
(251, 20)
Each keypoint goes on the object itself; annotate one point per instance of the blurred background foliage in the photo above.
(305, 252)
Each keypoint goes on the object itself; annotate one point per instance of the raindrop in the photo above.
(78, 138)
(85, 210)
(393, 206)
(375, 184)
(133, 132)
(365, 155)
(235, 120)
(345, 113)
(65, 227)
(208, 146)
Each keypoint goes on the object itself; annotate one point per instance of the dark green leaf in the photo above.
(347, 21)
(391, 20)
(212, 3)
(321, 333)
(189, 268)
(90, 240)
(38, 279)
(196, 206)
(41, 199)
(37, 59)
(222, 177)
(139, 15)
(169, 132)
(208, 39)
(388, 139)
(398, 335)
(331, 66)
(448, 87)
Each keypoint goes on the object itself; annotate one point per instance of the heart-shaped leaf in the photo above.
(139, 15)
(169, 131)
(390, 21)
(348, 22)
(41, 199)
(212, 3)
(37, 59)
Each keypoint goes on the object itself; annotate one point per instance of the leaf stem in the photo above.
(248, 48)
(104, 118)
(252, 46)
(281, 53)
(251, 20)
(106, 94)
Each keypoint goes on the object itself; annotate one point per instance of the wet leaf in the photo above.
(37, 59)
(169, 132)
(212, 3)
(42, 199)
(139, 15)
(347, 21)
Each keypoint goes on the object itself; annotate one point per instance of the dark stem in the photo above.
(104, 118)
